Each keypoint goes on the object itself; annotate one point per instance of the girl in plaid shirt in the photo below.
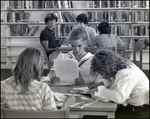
(24, 91)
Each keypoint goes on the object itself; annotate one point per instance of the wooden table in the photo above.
(98, 108)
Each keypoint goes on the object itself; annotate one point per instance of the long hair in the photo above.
(28, 67)
(107, 63)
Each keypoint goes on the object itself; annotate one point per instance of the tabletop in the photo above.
(97, 108)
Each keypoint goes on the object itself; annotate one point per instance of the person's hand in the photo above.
(54, 79)
(68, 101)
(92, 85)
(91, 91)
(79, 81)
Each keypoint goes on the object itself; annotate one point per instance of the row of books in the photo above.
(20, 16)
(17, 16)
(118, 16)
(21, 30)
(117, 4)
(99, 16)
(29, 4)
(63, 30)
(140, 30)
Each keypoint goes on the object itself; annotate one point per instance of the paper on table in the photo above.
(83, 90)
(67, 70)
(60, 96)
(83, 104)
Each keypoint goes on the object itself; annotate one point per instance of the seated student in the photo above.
(129, 88)
(82, 21)
(24, 91)
(77, 39)
(47, 36)
(105, 38)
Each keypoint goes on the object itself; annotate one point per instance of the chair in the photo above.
(93, 50)
(10, 113)
(138, 47)
(46, 57)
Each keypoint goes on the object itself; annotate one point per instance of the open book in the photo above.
(67, 70)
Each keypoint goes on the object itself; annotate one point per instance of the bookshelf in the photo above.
(129, 20)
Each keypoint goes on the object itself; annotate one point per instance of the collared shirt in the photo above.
(38, 97)
(107, 40)
(47, 34)
(130, 86)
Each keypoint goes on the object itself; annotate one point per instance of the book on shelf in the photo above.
(18, 17)
(70, 4)
(63, 17)
(90, 4)
(104, 4)
(123, 16)
(96, 4)
(58, 14)
(33, 30)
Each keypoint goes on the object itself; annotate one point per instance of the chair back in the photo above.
(46, 57)
(10, 113)
(138, 47)
(93, 50)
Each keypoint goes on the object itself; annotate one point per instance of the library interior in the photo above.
(23, 21)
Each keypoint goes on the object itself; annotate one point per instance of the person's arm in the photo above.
(55, 43)
(120, 90)
(45, 45)
(120, 42)
(48, 98)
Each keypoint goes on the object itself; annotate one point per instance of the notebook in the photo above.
(67, 70)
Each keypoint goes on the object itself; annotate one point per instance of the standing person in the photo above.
(105, 38)
(82, 21)
(77, 39)
(47, 35)
(24, 91)
(129, 88)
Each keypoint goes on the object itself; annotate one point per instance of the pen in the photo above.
(89, 85)
(95, 78)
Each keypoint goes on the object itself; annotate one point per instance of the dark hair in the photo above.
(27, 68)
(104, 28)
(77, 33)
(82, 18)
(50, 16)
(107, 63)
